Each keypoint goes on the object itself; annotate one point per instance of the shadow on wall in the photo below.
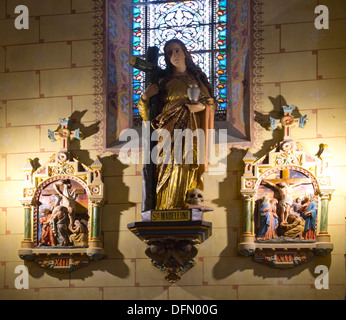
(82, 155)
(245, 271)
(222, 269)
(112, 168)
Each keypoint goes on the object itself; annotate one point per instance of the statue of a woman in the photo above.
(268, 220)
(177, 176)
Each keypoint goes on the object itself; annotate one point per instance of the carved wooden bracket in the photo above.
(172, 238)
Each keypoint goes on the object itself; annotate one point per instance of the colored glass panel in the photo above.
(200, 24)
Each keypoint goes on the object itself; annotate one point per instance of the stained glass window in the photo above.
(200, 24)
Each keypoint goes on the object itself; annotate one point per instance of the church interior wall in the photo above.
(46, 73)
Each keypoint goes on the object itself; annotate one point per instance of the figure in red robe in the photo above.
(47, 237)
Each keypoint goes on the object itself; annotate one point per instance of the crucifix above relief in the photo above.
(287, 122)
(62, 203)
(64, 134)
(286, 194)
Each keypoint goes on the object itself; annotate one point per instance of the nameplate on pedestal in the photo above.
(170, 215)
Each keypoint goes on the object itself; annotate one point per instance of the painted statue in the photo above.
(309, 214)
(79, 236)
(59, 223)
(63, 219)
(296, 205)
(178, 111)
(294, 227)
(268, 219)
(68, 196)
(47, 237)
(285, 193)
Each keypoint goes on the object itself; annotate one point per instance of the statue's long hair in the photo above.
(191, 68)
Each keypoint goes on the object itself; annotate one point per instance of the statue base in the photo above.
(172, 238)
(176, 230)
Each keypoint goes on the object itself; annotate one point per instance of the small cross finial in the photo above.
(64, 134)
(287, 122)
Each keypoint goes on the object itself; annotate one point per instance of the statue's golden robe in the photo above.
(176, 177)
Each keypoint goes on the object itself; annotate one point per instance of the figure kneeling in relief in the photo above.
(63, 218)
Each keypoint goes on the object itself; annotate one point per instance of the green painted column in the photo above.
(248, 209)
(96, 221)
(95, 249)
(27, 223)
(325, 198)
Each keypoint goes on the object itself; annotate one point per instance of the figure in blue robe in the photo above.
(268, 221)
(310, 217)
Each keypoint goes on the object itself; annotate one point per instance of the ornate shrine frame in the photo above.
(286, 162)
(63, 182)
